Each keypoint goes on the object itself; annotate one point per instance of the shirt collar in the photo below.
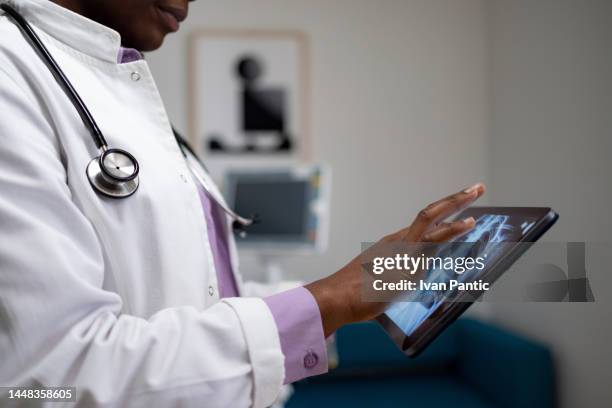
(128, 55)
(72, 29)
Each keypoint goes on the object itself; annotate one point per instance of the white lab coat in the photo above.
(116, 297)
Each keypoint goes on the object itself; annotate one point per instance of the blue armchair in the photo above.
(472, 364)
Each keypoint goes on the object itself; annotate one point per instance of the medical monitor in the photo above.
(290, 203)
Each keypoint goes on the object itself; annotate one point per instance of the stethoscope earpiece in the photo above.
(114, 173)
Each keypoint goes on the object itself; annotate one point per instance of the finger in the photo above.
(447, 231)
(476, 190)
(442, 209)
(436, 226)
(427, 220)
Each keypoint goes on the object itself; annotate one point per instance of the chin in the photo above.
(152, 45)
(150, 42)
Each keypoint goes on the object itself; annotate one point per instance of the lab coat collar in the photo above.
(70, 28)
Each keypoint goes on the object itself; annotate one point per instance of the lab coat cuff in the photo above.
(264, 348)
(300, 328)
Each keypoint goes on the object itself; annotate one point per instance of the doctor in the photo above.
(138, 301)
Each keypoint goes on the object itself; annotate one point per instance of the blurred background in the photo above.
(405, 101)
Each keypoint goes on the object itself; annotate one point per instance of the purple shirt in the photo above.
(295, 311)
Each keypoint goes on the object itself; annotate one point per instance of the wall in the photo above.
(399, 103)
(551, 139)
(405, 94)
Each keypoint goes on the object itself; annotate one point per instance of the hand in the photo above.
(339, 295)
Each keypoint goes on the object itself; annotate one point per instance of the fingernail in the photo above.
(472, 189)
(469, 220)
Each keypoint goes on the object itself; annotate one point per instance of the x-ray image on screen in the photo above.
(490, 229)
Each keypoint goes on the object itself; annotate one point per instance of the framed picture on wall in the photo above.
(249, 94)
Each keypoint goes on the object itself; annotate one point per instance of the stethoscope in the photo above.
(114, 172)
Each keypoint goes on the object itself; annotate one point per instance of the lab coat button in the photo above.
(211, 290)
(183, 178)
(311, 359)
(135, 76)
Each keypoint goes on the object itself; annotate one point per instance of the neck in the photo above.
(75, 6)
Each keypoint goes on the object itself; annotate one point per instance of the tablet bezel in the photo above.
(448, 312)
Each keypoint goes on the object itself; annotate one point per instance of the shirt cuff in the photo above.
(300, 330)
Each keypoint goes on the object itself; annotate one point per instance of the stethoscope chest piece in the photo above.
(114, 173)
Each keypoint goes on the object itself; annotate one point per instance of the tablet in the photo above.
(501, 235)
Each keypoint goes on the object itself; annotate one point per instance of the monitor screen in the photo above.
(280, 205)
(287, 202)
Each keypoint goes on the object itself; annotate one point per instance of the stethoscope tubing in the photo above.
(190, 155)
(59, 75)
(101, 179)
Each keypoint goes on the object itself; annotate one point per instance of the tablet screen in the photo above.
(490, 229)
